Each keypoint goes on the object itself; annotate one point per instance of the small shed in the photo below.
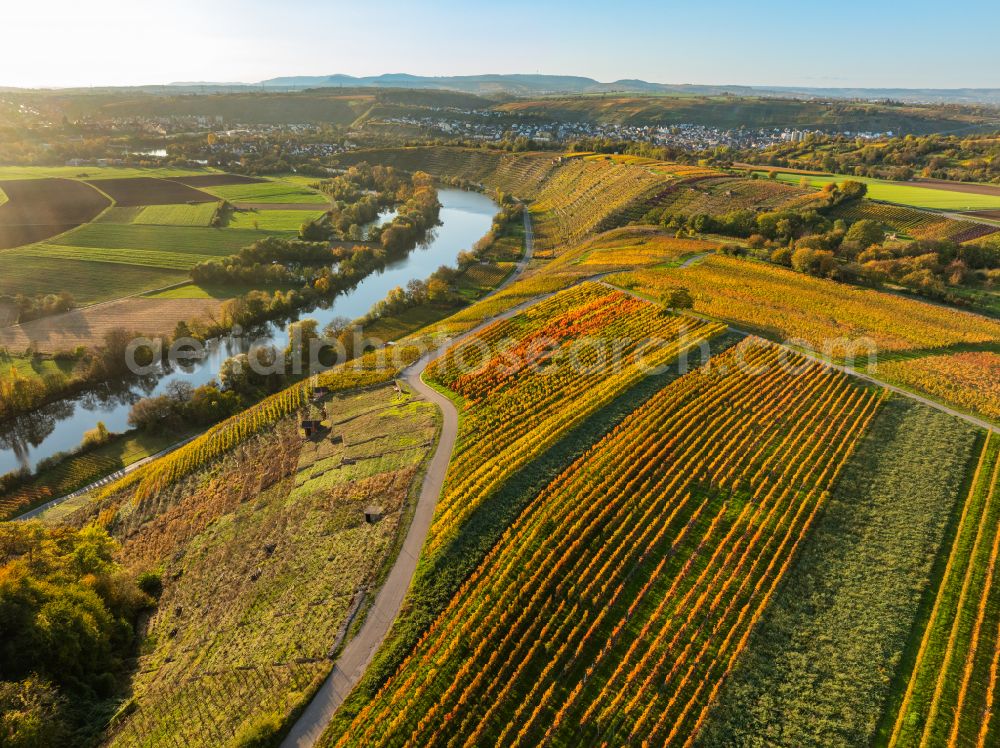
(373, 514)
(310, 426)
(319, 393)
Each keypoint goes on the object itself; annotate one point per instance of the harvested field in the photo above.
(150, 191)
(989, 215)
(972, 188)
(217, 180)
(37, 209)
(87, 326)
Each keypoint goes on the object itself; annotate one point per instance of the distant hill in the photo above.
(534, 85)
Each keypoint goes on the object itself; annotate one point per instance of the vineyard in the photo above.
(970, 380)
(820, 667)
(150, 479)
(715, 194)
(615, 606)
(916, 344)
(527, 379)
(584, 196)
(916, 223)
(80, 470)
(265, 554)
(520, 174)
(950, 699)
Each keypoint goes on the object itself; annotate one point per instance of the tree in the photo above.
(97, 435)
(31, 714)
(813, 261)
(677, 298)
(851, 190)
(865, 232)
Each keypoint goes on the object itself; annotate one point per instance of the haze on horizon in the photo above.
(726, 42)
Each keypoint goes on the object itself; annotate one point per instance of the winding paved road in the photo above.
(358, 652)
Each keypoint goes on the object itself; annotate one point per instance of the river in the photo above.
(465, 218)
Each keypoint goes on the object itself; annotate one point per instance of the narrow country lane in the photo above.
(358, 652)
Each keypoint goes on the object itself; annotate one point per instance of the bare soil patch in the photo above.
(991, 215)
(37, 209)
(217, 180)
(150, 191)
(967, 187)
(87, 326)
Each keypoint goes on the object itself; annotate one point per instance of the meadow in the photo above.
(177, 215)
(900, 192)
(91, 281)
(267, 192)
(271, 220)
(179, 239)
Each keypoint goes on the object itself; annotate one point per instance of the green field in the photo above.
(95, 172)
(152, 258)
(176, 215)
(89, 282)
(31, 367)
(213, 291)
(303, 180)
(183, 239)
(901, 193)
(266, 192)
(272, 220)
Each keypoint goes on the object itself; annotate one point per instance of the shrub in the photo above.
(261, 732)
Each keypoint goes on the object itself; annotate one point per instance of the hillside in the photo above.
(660, 469)
(751, 112)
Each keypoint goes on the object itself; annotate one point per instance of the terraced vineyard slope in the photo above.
(950, 355)
(527, 379)
(615, 606)
(266, 557)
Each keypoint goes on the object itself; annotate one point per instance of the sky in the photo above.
(877, 43)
